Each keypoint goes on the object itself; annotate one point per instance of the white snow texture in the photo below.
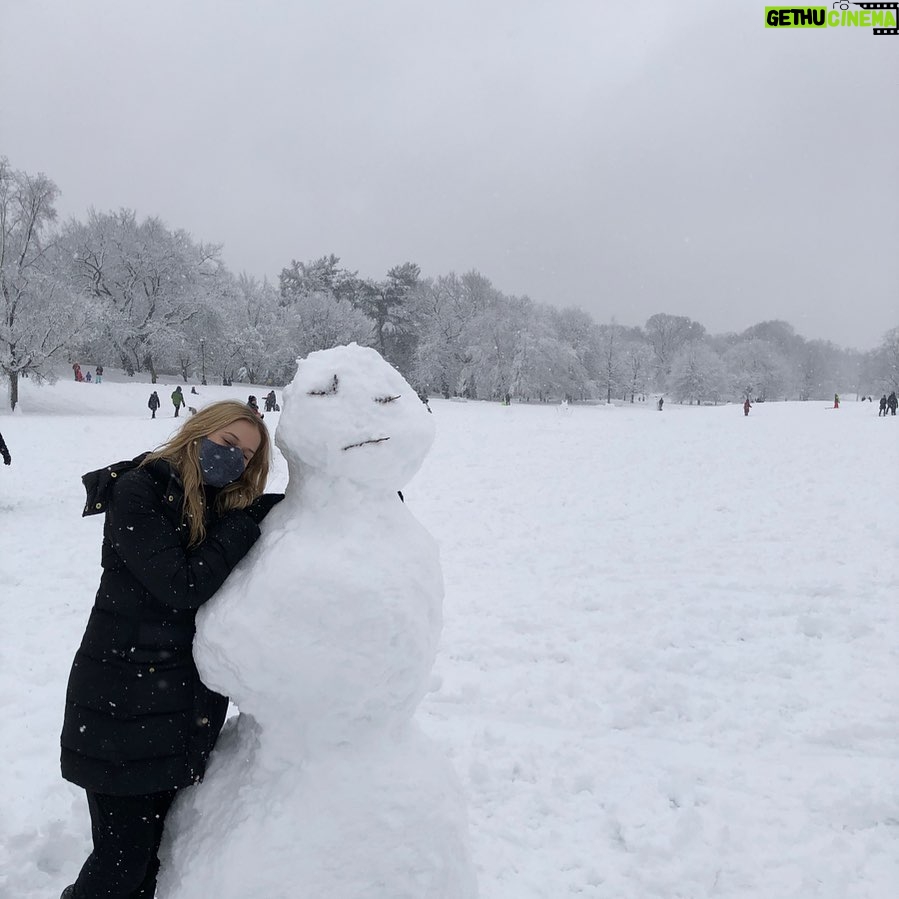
(324, 637)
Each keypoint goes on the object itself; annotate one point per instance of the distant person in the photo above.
(892, 402)
(193, 390)
(836, 401)
(882, 410)
(178, 399)
(76, 368)
(4, 451)
(87, 377)
(99, 374)
(746, 406)
(253, 403)
(270, 401)
(153, 403)
(660, 403)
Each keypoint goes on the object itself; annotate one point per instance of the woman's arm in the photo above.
(151, 547)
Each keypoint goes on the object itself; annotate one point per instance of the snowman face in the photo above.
(348, 413)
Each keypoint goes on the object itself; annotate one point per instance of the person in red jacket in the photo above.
(746, 406)
(139, 724)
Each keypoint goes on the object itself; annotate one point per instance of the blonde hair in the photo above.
(183, 453)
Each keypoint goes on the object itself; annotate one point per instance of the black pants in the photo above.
(126, 831)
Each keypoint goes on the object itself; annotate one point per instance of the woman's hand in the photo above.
(262, 505)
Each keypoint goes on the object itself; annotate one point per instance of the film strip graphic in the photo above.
(894, 6)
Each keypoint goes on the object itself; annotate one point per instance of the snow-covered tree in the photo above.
(321, 321)
(544, 367)
(697, 374)
(447, 310)
(578, 331)
(149, 282)
(38, 318)
(388, 305)
(319, 276)
(885, 362)
(666, 334)
(817, 363)
(612, 374)
(253, 344)
(637, 359)
(498, 331)
(756, 370)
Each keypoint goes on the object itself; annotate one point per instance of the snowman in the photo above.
(324, 637)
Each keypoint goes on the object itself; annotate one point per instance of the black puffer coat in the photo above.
(138, 719)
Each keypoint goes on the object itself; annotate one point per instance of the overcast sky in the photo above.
(629, 158)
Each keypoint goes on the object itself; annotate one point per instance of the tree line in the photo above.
(134, 293)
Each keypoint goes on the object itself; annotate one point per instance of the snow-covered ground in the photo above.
(669, 663)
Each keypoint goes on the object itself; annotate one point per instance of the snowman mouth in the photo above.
(366, 442)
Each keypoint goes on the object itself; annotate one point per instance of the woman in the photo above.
(139, 724)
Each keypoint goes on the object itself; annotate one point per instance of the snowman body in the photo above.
(324, 637)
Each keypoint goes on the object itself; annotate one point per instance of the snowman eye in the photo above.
(331, 388)
(386, 399)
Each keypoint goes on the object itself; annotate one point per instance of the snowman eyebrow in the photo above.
(331, 388)
(386, 399)
(366, 442)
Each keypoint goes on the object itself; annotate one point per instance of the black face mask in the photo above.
(221, 465)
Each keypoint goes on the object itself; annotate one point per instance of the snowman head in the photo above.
(350, 414)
